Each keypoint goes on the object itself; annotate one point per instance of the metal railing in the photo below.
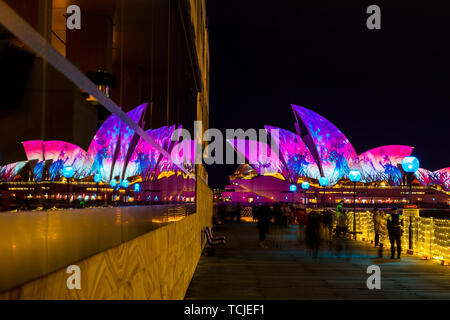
(430, 236)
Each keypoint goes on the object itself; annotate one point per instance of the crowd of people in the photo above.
(317, 227)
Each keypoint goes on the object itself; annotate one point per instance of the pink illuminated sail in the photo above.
(425, 177)
(382, 163)
(443, 178)
(10, 171)
(34, 149)
(66, 154)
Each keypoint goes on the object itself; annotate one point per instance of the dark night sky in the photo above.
(379, 87)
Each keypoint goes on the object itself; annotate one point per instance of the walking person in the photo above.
(277, 225)
(264, 217)
(341, 219)
(381, 233)
(313, 231)
(328, 221)
(395, 229)
(302, 220)
(377, 225)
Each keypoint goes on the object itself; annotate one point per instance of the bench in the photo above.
(212, 240)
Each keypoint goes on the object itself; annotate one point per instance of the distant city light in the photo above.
(305, 185)
(293, 188)
(113, 183)
(137, 187)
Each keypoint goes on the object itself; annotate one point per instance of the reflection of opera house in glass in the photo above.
(116, 152)
(320, 149)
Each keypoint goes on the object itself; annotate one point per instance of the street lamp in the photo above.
(97, 179)
(305, 186)
(125, 184)
(354, 176)
(293, 188)
(137, 188)
(68, 173)
(410, 165)
(323, 181)
(113, 184)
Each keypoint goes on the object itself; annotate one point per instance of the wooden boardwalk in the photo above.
(243, 270)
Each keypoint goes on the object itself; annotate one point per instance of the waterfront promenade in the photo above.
(244, 270)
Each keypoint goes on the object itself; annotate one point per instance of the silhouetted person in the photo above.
(377, 225)
(278, 223)
(394, 226)
(254, 211)
(313, 232)
(341, 216)
(238, 212)
(264, 217)
(328, 221)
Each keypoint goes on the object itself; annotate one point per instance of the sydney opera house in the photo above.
(116, 153)
(319, 149)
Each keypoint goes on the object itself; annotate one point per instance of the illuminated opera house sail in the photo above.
(319, 149)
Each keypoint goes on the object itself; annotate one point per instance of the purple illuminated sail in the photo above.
(106, 143)
(443, 178)
(145, 157)
(261, 157)
(336, 154)
(382, 163)
(165, 165)
(295, 154)
(126, 135)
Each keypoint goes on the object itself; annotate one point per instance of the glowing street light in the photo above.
(68, 173)
(137, 188)
(97, 179)
(354, 176)
(113, 184)
(305, 186)
(293, 188)
(324, 181)
(410, 165)
(125, 183)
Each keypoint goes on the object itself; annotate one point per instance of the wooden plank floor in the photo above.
(243, 270)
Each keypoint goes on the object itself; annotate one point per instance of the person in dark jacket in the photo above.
(395, 230)
(264, 216)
